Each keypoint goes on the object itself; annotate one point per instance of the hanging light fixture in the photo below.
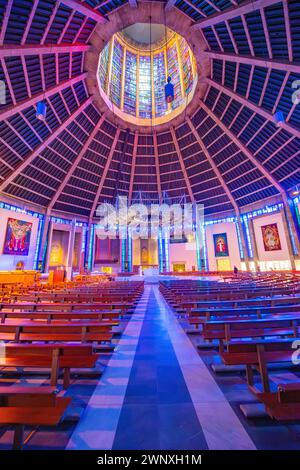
(169, 90)
(279, 118)
(41, 110)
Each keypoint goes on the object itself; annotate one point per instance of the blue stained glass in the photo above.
(159, 77)
(145, 88)
(116, 73)
(187, 70)
(103, 68)
(130, 84)
(175, 76)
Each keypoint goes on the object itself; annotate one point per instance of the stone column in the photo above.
(253, 243)
(49, 243)
(288, 238)
(69, 266)
(43, 247)
(242, 235)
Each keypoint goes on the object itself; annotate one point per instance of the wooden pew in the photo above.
(201, 316)
(50, 356)
(283, 405)
(121, 307)
(258, 354)
(30, 406)
(228, 330)
(54, 316)
(192, 306)
(30, 331)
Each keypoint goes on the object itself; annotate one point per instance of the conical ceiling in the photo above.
(227, 154)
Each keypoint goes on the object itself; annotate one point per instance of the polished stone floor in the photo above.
(157, 393)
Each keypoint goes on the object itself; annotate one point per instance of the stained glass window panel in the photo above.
(130, 84)
(116, 73)
(103, 67)
(159, 80)
(187, 71)
(145, 88)
(173, 72)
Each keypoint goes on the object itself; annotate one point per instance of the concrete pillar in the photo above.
(244, 246)
(292, 223)
(49, 243)
(43, 247)
(163, 253)
(82, 253)
(126, 254)
(253, 244)
(90, 234)
(288, 238)
(69, 264)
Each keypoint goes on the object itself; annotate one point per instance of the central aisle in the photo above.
(156, 392)
(157, 412)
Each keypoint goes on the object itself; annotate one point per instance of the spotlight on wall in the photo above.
(296, 191)
(279, 118)
(41, 110)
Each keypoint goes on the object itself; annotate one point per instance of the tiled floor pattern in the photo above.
(157, 393)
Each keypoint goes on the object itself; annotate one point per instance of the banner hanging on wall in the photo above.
(17, 237)
(220, 245)
(271, 237)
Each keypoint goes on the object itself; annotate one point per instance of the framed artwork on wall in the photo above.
(220, 245)
(17, 237)
(271, 237)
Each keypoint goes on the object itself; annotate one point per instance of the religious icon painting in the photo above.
(220, 245)
(17, 238)
(271, 237)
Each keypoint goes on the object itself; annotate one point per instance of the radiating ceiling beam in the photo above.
(50, 21)
(9, 50)
(43, 145)
(24, 104)
(76, 162)
(267, 63)
(170, 4)
(197, 9)
(233, 12)
(85, 9)
(29, 21)
(156, 157)
(244, 149)
(224, 186)
(288, 29)
(132, 171)
(133, 3)
(288, 127)
(65, 28)
(104, 174)
(212, 164)
(5, 20)
(182, 165)
(261, 168)
(266, 32)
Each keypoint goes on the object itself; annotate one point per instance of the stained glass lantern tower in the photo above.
(147, 83)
